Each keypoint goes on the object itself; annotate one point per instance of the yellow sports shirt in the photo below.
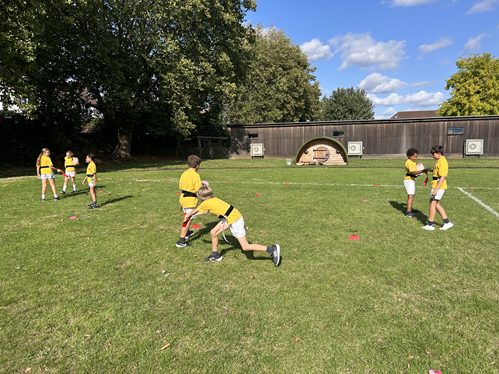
(218, 207)
(68, 162)
(91, 170)
(45, 162)
(441, 170)
(191, 182)
(410, 166)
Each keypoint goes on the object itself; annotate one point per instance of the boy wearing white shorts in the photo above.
(232, 219)
(438, 187)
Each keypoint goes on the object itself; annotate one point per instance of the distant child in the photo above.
(189, 183)
(232, 219)
(438, 187)
(44, 171)
(92, 179)
(69, 165)
(411, 173)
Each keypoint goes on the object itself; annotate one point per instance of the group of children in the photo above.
(438, 185)
(193, 188)
(45, 171)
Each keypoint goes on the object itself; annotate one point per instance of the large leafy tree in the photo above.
(347, 104)
(475, 87)
(160, 60)
(280, 85)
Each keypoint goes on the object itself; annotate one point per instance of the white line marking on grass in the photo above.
(479, 202)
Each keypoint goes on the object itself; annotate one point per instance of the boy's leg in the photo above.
(274, 250)
(431, 216)
(184, 232)
(447, 224)
(215, 256)
(410, 199)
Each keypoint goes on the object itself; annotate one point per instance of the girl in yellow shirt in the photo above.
(69, 164)
(92, 179)
(44, 171)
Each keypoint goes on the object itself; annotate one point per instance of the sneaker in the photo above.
(42, 200)
(410, 215)
(56, 198)
(94, 203)
(276, 254)
(182, 244)
(72, 193)
(213, 257)
(63, 192)
(428, 227)
(414, 211)
(446, 226)
(189, 234)
(94, 206)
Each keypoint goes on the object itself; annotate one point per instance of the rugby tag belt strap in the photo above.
(227, 213)
(90, 175)
(43, 167)
(410, 175)
(436, 178)
(224, 220)
(189, 194)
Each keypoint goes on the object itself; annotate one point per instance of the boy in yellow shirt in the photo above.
(438, 187)
(189, 183)
(230, 218)
(411, 173)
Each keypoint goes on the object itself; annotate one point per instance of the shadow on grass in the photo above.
(112, 201)
(403, 208)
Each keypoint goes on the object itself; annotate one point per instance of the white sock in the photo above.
(64, 188)
(74, 187)
(43, 196)
(55, 195)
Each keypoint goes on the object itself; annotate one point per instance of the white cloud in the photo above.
(364, 51)
(474, 44)
(389, 112)
(481, 6)
(440, 43)
(420, 99)
(377, 83)
(316, 50)
(406, 3)
(422, 84)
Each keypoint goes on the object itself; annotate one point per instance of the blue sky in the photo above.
(400, 51)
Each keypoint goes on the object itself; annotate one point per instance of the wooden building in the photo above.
(380, 138)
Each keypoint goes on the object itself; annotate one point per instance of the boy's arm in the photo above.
(193, 213)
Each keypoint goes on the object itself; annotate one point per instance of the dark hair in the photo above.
(193, 161)
(412, 152)
(437, 149)
(91, 156)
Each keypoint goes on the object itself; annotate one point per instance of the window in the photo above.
(253, 136)
(455, 131)
(338, 134)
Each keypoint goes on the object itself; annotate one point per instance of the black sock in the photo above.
(430, 223)
(215, 253)
(446, 220)
(269, 250)
(181, 240)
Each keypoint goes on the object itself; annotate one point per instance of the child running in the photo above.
(189, 183)
(92, 179)
(69, 165)
(230, 218)
(438, 187)
(411, 173)
(44, 171)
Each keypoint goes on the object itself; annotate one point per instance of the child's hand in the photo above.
(83, 182)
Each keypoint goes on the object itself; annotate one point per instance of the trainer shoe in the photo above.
(93, 207)
(428, 227)
(63, 192)
(189, 234)
(42, 200)
(410, 215)
(74, 192)
(182, 244)
(276, 254)
(414, 211)
(213, 257)
(56, 198)
(446, 226)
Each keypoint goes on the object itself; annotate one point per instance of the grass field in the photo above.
(91, 294)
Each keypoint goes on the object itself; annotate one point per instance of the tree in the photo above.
(475, 87)
(347, 104)
(280, 85)
(159, 60)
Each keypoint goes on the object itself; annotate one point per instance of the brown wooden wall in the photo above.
(379, 137)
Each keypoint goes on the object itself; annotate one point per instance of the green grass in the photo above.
(90, 295)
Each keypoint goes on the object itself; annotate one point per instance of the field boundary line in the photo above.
(479, 202)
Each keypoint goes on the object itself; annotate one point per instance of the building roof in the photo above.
(416, 114)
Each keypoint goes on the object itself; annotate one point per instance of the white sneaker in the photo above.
(446, 226)
(428, 227)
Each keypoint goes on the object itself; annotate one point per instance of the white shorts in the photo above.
(188, 210)
(440, 193)
(410, 187)
(71, 173)
(91, 184)
(238, 229)
(47, 176)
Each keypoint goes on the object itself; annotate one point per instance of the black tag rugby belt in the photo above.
(227, 213)
(189, 194)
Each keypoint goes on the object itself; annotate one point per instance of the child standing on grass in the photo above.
(92, 179)
(438, 187)
(411, 173)
(189, 183)
(230, 218)
(44, 171)
(69, 165)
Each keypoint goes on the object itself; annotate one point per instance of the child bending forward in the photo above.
(232, 219)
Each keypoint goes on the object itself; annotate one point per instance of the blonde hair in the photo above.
(39, 159)
(205, 193)
(193, 161)
(71, 154)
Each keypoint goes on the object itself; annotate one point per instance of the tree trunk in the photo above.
(124, 145)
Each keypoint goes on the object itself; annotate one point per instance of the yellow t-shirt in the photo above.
(45, 162)
(91, 170)
(68, 163)
(218, 207)
(441, 170)
(189, 181)
(410, 166)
